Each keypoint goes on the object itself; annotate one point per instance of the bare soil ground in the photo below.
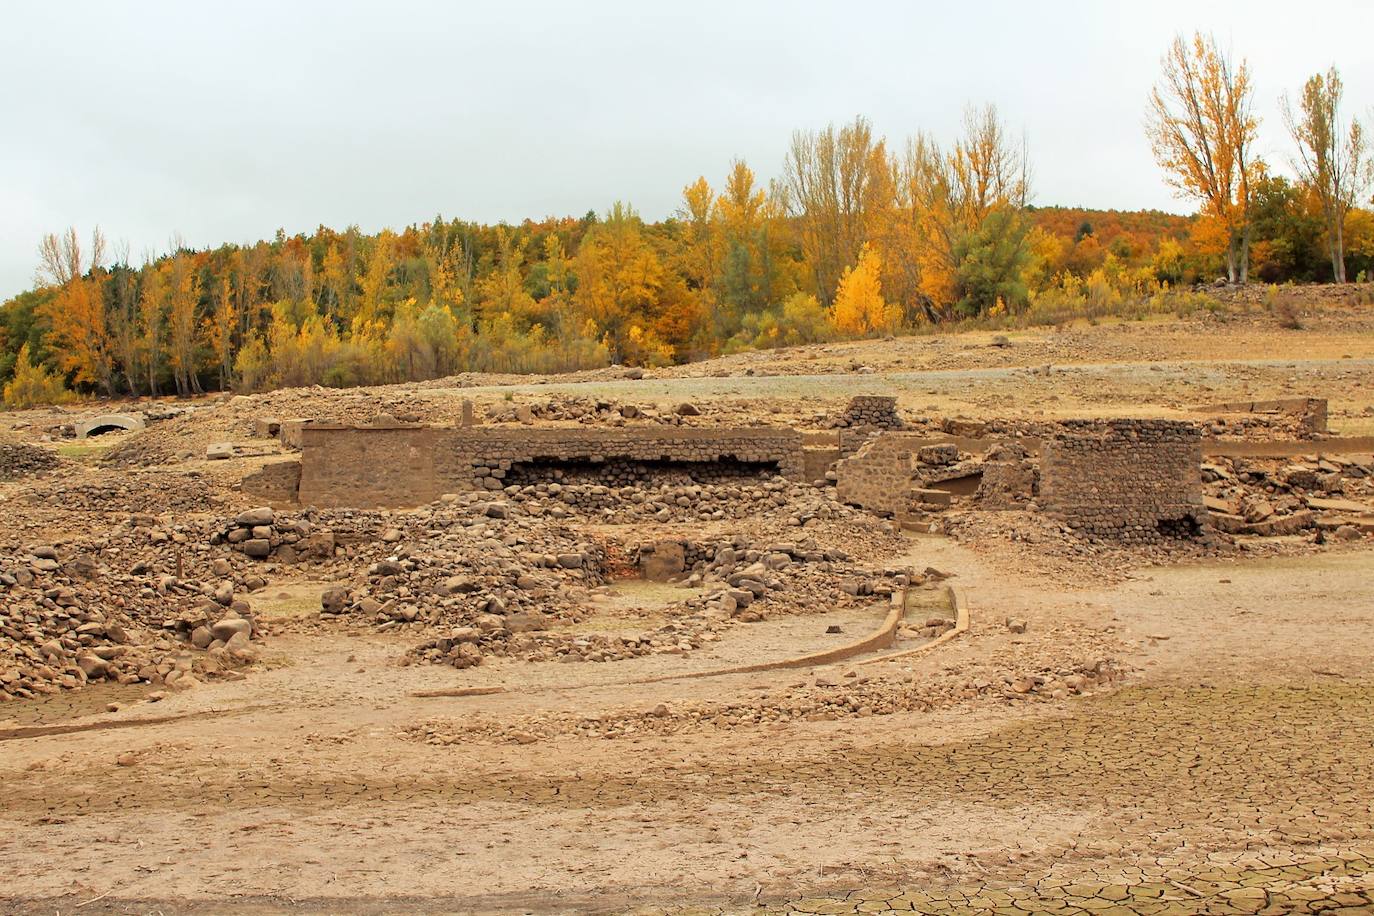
(1220, 764)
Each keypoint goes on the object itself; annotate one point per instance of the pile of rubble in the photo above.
(20, 460)
(261, 534)
(744, 580)
(1268, 497)
(1036, 544)
(471, 572)
(136, 491)
(467, 646)
(803, 505)
(68, 618)
(589, 411)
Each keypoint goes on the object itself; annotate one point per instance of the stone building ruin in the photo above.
(401, 465)
(1127, 480)
(1134, 480)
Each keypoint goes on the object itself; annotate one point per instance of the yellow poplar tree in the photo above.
(859, 307)
(1202, 128)
(182, 307)
(80, 335)
(619, 277)
(220, 332)
(698, 204)
(33, 384)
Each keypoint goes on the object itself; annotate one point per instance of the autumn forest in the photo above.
(855, 235)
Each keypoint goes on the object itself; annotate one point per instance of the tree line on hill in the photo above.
(856, 237)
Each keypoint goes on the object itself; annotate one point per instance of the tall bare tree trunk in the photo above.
(1245, 255)
(1337, 253)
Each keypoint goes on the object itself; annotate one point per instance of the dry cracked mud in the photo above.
(1228, 774)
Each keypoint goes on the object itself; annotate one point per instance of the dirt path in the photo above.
(1078, 387)
(1231, 751)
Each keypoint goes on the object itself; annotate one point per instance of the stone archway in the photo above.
(107, 422)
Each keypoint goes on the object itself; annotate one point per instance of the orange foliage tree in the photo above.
(1202, 128)
(859, 307)
(76, 315)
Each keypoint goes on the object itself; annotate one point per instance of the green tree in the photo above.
(992, 263)
(1288, 230)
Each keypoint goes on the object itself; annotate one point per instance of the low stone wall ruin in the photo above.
(878, 477)
(1302, 418)
(411, 465)
(1129, 480)
(275, 484)
(871, 410)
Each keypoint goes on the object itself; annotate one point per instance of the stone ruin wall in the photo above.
(851, 440)
(275, 484)
(1011, 478)
(1127, 480)
(879, 474)
(1133, 480)
(817, 461)
(364, 467)
(1302, 418)
(871, 410)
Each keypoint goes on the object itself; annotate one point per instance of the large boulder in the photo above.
(662, 561)
(252, 518)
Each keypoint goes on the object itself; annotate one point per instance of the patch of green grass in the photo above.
(82, 451)
(301, 600)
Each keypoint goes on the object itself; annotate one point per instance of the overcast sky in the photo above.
(223, 122)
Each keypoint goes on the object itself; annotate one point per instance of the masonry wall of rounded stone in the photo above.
(1132, 480)
(399, 466)
(871, 410)
(878, 477)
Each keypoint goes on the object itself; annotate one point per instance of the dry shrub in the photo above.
(1283, 305)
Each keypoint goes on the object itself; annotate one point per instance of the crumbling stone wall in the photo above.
(275, 484)
(1129, 480)
(892, 472)
(289, 432)
(851, 440)
(817, 461)
(1010, 477)
(878, 477)
(871, 410)
(1302, 418)
(410, 465)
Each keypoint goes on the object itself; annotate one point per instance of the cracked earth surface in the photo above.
(1230, 772)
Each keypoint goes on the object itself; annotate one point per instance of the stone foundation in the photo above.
(412, 465)
(1303, 418)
